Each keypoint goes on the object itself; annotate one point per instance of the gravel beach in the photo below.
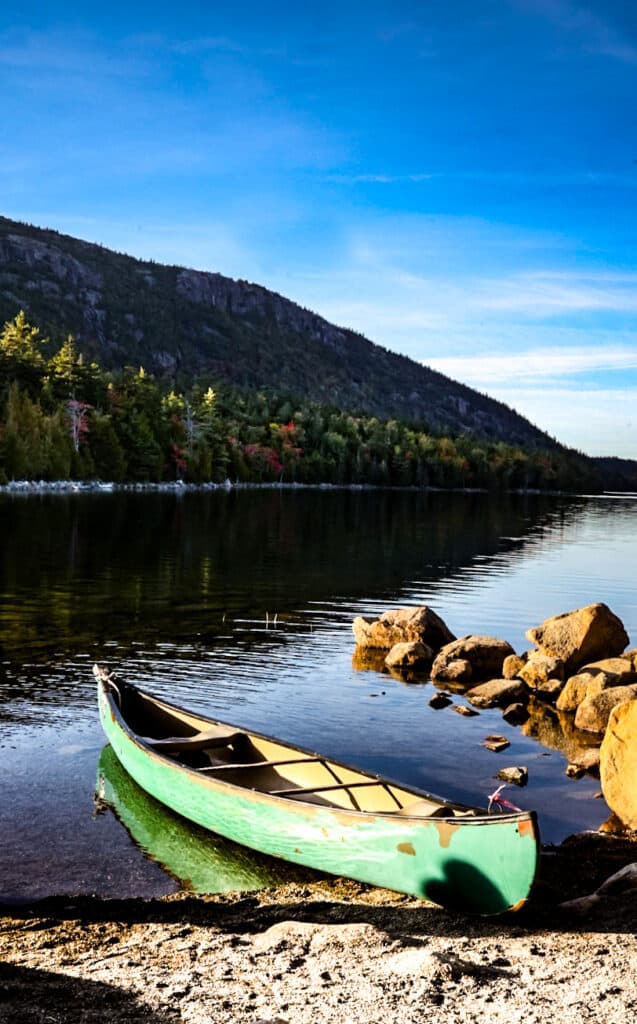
(328, 951)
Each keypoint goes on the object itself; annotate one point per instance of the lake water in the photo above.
(240, 604)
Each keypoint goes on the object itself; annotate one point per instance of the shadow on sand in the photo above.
(30, 996)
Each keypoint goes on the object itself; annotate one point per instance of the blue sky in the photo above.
(457, 179)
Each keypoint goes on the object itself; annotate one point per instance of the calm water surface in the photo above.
(240, 604)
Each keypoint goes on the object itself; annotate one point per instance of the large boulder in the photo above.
(581, 636)
(484, 654)
(593, 713)
(402, 625)
(618, 762)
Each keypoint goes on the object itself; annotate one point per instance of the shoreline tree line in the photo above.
(62, 417)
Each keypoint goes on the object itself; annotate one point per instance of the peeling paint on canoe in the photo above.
(445, 831)
(406, 848)
(525, 827)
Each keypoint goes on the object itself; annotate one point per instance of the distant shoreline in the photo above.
(24, 488)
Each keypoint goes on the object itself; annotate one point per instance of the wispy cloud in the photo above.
(70, 54)
(378, 179)
(544, 367)
(586, 179)
(206, 44)
(598, 422)
(545, 293)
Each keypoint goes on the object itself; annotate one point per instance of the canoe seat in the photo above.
(425, 809)
(198, 741)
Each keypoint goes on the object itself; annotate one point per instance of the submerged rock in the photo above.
(579, 637)
(496, 743)
(402, 625)
(484, 654)
(618, 762)
(440, 700)
(515, 714)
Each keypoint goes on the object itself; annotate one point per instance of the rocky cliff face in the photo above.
(240, 298)
(181, 322)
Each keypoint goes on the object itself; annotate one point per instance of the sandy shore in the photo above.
(327, 951)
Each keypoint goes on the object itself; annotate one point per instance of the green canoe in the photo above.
(311, 810)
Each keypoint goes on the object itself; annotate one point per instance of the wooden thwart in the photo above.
(197, 741)
(262, 764)
(322, 789)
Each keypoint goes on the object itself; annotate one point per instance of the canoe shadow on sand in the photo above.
(566, 873)
(30, 996)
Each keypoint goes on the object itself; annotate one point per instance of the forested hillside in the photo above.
(180, 324)
(64, 417)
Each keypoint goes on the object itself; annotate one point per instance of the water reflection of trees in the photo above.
(83, 570)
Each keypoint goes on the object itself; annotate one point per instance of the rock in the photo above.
(516, 776)
(440, 700)
(458, 670)
(622, 666)
(550, 690)
(618, 762)
(496, 743)
(541, 669)
(587, 758)
(580, 636)
(592, 679)
(512, 665)
(632, 654)
(593, 713)
(619, 884)
(462, 709)
(485, 655)
(613, 826)
(411, 654)
(402, 625)
(574, 692)
(575, 771)
(515, 714)
(496, 693)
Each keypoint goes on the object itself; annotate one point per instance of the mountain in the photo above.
(180, 323)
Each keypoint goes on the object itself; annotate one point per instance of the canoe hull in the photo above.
(484, 865)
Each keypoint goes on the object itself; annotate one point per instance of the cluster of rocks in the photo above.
(579, 678)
